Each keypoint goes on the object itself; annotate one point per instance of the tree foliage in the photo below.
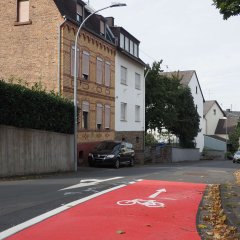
(228, 8)
(234, 138)
(170, 105)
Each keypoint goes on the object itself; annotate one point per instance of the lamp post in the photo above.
(75, 75)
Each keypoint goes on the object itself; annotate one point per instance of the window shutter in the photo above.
(107, 74)
(85, 63)
(99, 113)
(99, 71)
(85, 106)
(73, 60)
(23, 10)
(107, 116)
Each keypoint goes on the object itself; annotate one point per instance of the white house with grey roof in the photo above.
(129, 88)
(190, 79)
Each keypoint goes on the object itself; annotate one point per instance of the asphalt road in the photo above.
(21, 200)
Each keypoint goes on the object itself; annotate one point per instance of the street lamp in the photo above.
(75, 76)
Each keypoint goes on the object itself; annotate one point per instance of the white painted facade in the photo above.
(211, 119)
(128, 94)
(198, 100)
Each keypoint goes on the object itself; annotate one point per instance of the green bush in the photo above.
(34, 108)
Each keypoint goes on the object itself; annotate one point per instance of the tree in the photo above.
(228, 7)
(170, 105)
(234, 138)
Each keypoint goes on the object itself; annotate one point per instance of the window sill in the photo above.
(22, 23)
(123, 120)
(125, 84)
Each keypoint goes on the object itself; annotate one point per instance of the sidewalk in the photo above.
(219, 212)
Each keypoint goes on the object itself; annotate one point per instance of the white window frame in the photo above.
(85, 68)
(85, 108)
(123, 75)
(79, 15)
(122, 41)
(127, 44)
(23, 11)
(102, 28)
(137, 113)
(123, 112)
(137, 81)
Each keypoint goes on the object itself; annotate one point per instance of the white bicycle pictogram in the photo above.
(146, 203)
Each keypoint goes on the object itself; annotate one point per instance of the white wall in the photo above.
(212, 120)
(198, 100)
(128, 94)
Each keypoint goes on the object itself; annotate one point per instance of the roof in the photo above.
(226, 125)
(207, 105)
(68, 10)
(184, 76)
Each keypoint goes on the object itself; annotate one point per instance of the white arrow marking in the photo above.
(157, 193)
(89, 182)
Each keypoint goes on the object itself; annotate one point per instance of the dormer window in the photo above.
(79, 13)
(135, 50)
(102, 28)
(121, 41)
(23, 11)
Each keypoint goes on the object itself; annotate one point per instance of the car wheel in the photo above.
(131, 163)
(233, 161)
(117, 164)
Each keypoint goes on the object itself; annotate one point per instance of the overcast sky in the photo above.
(187, 35)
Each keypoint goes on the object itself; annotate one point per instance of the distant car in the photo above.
(236, 157)
(113, 153)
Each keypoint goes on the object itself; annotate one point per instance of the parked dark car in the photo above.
(113, 153)
(236, 157)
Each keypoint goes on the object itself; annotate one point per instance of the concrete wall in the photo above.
(28, 151)
(179, 154)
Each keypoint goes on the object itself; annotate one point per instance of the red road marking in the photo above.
(101, 218)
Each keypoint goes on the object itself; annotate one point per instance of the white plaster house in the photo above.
(190, 79)
(212, 113)
(129, 88)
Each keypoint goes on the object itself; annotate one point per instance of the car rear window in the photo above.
(106, 146)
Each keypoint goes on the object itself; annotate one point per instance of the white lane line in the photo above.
(163, 190)
(89, 182)
(51, 213)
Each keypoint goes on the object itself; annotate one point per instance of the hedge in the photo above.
(26, 108)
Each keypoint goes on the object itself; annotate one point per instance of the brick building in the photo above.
(37, 45)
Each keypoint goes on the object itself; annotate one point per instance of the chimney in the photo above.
(110, 21)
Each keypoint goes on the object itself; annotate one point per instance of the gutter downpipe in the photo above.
(59, 53)
(144, 110)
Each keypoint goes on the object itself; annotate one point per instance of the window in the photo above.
(131, 47)
(196, 90)
(107, 116)
(123, 111)
(99, 76)
(23, 11)
(102, 28)
(123, 75)
(121, 40)
(99, 116)
(79, 13)
(135, 50)
(126, 44)
(73, 60)
(137, 81)
(214, 111)
(85, 114)
(107, 74)
(137, 113)
(85, 65)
